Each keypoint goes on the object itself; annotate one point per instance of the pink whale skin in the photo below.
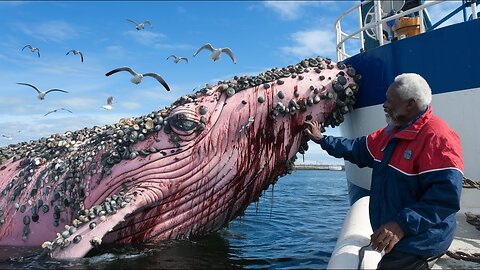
(183, 171)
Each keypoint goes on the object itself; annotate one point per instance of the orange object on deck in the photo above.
(407, 27)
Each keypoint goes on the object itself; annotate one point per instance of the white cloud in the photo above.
(56, 31)
(311, 42)
(17, 109)
(10, 42)
(27, 127)
(8, 97)
(60, 69)
(155, 40)
(172, 46)
(158, 94)
(289, 10)
(116, 51)
(130, 105)
(80, 103)
(145, 37)
(19, 106)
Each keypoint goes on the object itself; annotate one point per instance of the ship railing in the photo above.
(378, 21)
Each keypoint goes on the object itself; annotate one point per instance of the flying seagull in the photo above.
(41, 95)
(52, 111)
(6, 137)
(137, 77)
(109, 103)
(216, 52)
(32, 49)
(76, 52)
(177, 59)
(140, 26)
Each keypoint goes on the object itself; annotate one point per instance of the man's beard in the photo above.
(391, 120)
(388, 119)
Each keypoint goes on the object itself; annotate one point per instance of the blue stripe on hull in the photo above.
(447, 58)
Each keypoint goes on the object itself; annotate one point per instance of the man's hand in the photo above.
(313, 131)
(387, 236)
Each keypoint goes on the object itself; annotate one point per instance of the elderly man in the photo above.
(416, 178)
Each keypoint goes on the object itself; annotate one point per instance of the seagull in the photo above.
(109, 103)
(6, 137)
(32, 49)
(137, 77)
(41, 95)
(76, 52)
(52, 111)
(140, 26)
(216, 52)
(177, 59)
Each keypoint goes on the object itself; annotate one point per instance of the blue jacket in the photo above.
(416, 179)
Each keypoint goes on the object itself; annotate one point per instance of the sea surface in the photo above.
(294, 225)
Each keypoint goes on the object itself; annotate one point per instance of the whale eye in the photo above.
(185, 122)
(182, 122)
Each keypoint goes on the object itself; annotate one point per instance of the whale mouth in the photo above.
(88, 230)
(123, 217)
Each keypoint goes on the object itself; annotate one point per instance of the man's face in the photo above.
(397, 110)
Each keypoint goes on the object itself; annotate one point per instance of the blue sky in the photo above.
(261, 34)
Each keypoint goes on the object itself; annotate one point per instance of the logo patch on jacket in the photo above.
(407, 154)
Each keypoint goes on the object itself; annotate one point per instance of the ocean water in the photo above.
(294, 225)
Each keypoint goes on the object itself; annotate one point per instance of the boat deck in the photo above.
(467, 239)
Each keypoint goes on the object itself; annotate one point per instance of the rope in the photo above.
(473, 219)
(459, 255)
(361, 254)
(467, 183)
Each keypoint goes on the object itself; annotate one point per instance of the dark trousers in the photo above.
(400, 260)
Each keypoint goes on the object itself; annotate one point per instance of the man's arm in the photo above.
(440, 200)
(353, 150)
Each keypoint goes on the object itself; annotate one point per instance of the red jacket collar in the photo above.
(410, 132)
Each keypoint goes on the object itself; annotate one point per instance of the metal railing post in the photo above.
(378, 17)
(474, 9)
(360, 23)
(422, 24)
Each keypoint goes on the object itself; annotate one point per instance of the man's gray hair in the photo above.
(412, 85)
